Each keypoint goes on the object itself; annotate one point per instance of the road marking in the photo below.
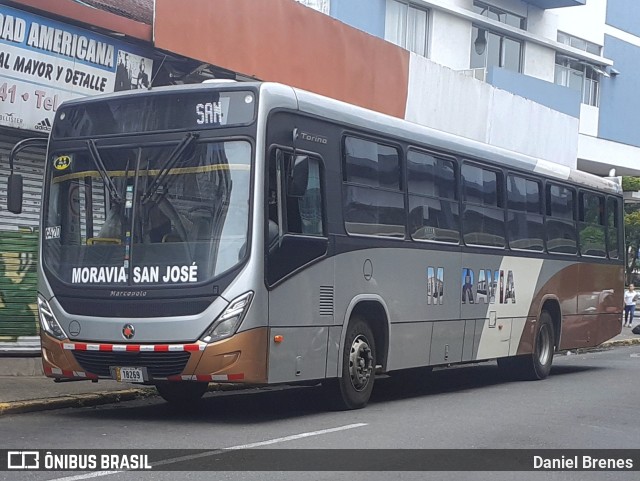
(296, 436)
(190, 457)
(97, 474)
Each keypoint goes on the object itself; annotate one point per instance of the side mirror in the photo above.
(14, 193)
(14, 183)
(298, 176)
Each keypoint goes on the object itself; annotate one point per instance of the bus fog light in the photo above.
(228, 322)
(48, 321)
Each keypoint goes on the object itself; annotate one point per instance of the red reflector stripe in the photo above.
(133, 347)
(236, 377)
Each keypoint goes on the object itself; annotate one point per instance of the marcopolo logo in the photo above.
(44, 124)
(128, 331)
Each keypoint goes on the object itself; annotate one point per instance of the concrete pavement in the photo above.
(24, 388)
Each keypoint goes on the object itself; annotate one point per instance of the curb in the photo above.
(96, 399)
(605, 345)
(622, 342)
(77, 400)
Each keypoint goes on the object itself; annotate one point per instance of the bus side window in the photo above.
(560, 223)
(591, 226)
(613, 219)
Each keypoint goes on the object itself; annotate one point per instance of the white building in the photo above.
(557, 83)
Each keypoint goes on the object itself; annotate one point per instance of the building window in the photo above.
(579, 75)
(319, 5)
(499, 15)
(579, 43)
(407, 26)
(493, 49)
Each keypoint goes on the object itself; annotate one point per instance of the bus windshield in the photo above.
(147, 214)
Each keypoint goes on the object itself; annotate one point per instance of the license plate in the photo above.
(129, 374)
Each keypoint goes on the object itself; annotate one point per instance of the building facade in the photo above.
(577, 57)
(46, 59)
(608, 134)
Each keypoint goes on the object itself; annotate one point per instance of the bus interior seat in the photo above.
(273, 232)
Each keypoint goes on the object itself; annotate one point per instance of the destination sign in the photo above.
(152, 111)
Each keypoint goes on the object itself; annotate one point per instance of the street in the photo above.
(590, 401)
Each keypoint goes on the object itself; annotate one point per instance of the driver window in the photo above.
(302, 212)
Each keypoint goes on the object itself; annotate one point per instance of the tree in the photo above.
(631, 227)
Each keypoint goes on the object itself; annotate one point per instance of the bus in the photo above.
(259, 234)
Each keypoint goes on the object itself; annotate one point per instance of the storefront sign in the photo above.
(44, 62)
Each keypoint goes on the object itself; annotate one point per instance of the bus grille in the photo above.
(141, 307)
(158, 364)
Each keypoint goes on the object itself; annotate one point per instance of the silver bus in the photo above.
(257, 233)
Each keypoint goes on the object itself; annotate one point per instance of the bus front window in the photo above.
(147, 215)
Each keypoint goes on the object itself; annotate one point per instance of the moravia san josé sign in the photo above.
(44, 62)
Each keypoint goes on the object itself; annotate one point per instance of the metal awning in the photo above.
(544, 4)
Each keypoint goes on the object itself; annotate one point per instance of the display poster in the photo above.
(44, 62)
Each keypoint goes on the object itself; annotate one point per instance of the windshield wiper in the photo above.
(97, 160)
(188, 139)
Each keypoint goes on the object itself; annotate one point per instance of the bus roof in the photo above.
(315, 104)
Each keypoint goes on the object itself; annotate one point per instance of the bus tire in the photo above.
(536, 365)
(181, 393)
(352, 389)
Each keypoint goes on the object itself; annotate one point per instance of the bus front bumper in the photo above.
(241, 358)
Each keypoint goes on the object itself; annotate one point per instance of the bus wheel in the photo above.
(182, 392)
(536, 365)
(352, 389)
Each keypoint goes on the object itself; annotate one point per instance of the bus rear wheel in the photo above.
(352, 389)
(536, 365)
(181, 393)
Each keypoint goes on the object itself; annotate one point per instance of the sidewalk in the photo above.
(23, 387)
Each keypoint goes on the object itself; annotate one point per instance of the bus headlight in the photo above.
(228, 322)
(48, 320)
